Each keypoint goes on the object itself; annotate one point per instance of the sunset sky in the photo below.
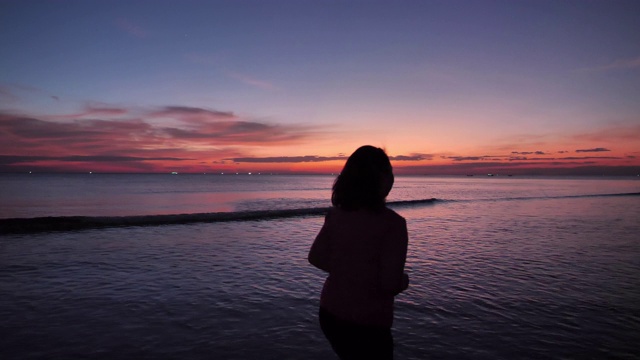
(446, 87)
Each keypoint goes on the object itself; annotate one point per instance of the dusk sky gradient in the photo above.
(446, 87)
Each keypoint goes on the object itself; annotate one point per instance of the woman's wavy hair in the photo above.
(360, 184)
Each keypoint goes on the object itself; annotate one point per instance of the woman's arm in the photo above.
(320, 250)
(393, 257)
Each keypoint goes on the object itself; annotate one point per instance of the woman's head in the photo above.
(365, 180)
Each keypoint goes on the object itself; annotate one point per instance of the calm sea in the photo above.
(500, 267)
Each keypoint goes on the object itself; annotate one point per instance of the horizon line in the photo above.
(261, 173)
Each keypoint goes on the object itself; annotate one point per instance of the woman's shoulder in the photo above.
(392, 215)
(384, 215)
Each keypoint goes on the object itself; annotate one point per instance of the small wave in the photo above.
(560, 197)
(67, 223)
(606, 195)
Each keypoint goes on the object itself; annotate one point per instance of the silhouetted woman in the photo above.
(363, 247)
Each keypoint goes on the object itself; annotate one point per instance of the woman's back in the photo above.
(364, 252)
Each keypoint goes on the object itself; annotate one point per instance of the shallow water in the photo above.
(509, 275)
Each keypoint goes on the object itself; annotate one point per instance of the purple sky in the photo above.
(443, 86)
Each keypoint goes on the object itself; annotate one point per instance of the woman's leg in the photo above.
(353, 341)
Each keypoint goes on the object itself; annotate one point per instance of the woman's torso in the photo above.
(353, 289)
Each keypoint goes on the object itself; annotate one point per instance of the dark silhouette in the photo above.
(363, 247)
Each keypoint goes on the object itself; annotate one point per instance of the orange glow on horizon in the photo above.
(207, 141)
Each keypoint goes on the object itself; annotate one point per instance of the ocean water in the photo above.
(500, 268)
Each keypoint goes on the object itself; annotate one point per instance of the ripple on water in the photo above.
(527, 281)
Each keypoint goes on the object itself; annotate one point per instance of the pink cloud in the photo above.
(90, 111)
(316, 158)
(619, 64)
(264, 85)
(215, 62)
(600, 149)
(102, 135)
(195, 114)
(612, 134)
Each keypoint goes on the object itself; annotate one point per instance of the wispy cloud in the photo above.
(197, 125)
(91, 111)
(590, 158)
(412, 157)
(592, 150)
(528, 152)
(18, 92)
(251, 81)
(131, 28)
(519, 158)
(286, 159)
(216, 62)
(612, 133)
(619, 64)
(526, 158)
(104, 134)
(188, 113)
(316, 158)
(465, 158)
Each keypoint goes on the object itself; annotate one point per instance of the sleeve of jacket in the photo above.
(393, 257)
(320, 252)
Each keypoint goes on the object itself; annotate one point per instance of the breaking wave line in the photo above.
(67, 223)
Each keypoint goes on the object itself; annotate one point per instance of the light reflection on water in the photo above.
(491, 278)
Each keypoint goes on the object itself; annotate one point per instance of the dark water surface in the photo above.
(499, 271)
(37, 195)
